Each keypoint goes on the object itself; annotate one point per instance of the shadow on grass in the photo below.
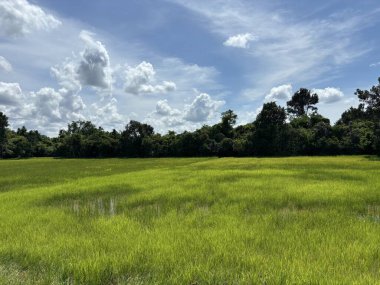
(372, 157)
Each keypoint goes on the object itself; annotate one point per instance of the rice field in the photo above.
(304, 220)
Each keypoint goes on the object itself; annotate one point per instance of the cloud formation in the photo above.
(240, 40)
(94, 68)
(5, 65)
(19, 17)
(282, 92)
(329, 95)
(10, 94)
(106, 113)
(163, 109)
(202, 108)
(90, 68)
(47, 103)
(41, 109)
(140, 80)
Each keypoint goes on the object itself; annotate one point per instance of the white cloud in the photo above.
(66, 75)
(140, 80)
(106, 114)
(46, 109)
(329, 95)
(202, 108)
(51, 109)
(374, 64)
(5, 65)
(47, 104)
(19, 17)
(163, 109)
(72, 104)
(282, 92)
(240, 40)
(10, 94)
(91, 68)
(94, 67)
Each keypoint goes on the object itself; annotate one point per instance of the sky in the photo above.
(177, 64)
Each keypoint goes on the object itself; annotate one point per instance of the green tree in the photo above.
(269, 130)
(3, 132)
(302, 102)
(370, 99)
(228, 122)
(135, 141)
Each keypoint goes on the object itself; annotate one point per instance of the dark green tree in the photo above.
(134, 141)
(302, 102)
(228, 122)
(269, 130)
(3, 132)
(370, 99)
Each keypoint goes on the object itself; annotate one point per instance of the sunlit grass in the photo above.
(190, 221)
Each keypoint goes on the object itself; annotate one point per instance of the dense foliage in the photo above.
(277, 131)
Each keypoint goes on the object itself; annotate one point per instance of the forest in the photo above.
(295, 130)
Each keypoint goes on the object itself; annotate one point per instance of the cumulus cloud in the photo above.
(19, 17)
(50, 109)
(329, 94)
(240, 40)
(72, 104)
(106, 113)
(202, 108)
(282, 92)
(91, 68)
(163, 109)
(140, 80)
(94, 68)
(66, 75)
(47, 109)
(5, 65)
(165, 116)
(47, 104)
(10, 94)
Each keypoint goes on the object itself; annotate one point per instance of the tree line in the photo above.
(297, 129)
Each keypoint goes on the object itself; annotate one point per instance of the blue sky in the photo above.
(177, 64)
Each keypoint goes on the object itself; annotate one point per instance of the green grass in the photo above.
(190, 221)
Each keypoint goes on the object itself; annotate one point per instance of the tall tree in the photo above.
(135, 139)
(228, 122)
(302, 101)
(229, 118)
(370, 99)
(269, 130)
(3, 132)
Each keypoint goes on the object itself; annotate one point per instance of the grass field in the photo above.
(190, 221)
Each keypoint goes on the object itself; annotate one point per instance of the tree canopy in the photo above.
(297, 130)
(302, 102)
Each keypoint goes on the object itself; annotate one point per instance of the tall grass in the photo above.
(190, 221)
